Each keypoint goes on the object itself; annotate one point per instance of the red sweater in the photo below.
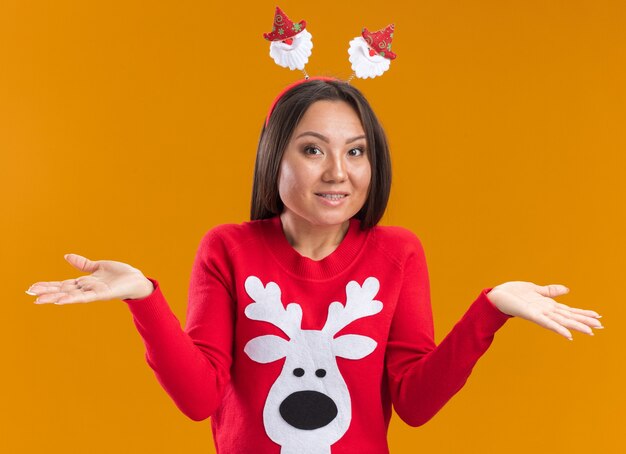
(287, 354)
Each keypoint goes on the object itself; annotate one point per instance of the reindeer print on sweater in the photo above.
(308, 407)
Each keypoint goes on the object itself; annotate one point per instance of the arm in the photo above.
(424, 376)
(192, 365)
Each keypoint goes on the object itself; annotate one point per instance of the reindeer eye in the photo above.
(320, 373)
(299, 372)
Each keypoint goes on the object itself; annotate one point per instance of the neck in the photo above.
(312, 241)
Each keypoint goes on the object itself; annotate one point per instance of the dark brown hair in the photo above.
(274, 138)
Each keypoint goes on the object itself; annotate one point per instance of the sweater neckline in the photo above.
(304, 267)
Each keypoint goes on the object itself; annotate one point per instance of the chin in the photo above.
(329, 219)
(322, 216)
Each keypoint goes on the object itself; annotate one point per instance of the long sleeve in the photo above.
(424, 376)
(192, 365)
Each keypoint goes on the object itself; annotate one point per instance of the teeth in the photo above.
(332, 196)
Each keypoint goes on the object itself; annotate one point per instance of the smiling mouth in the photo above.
(331, 196)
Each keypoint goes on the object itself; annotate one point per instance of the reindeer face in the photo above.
(309, 403)
(306, 403)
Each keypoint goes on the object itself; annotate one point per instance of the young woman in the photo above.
(307, 323)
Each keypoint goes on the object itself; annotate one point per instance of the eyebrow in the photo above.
(325, 139)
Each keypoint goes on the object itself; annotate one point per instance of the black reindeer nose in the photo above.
(308, 410)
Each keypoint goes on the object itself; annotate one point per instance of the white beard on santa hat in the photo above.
(294, 55)
(365, 65)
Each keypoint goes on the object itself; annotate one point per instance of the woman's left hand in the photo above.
(534, 302)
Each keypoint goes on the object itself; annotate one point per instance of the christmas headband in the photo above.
(291, 44)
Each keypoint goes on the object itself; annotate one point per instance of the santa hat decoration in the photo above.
(380, 41)
(290, 44)
(283, 28)
(370, 53)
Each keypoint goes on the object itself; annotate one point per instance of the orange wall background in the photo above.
(129, 128)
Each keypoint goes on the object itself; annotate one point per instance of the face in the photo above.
(325, 172)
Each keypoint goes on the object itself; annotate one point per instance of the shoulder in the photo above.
(395, 235)
(231, 236)
(397, 241)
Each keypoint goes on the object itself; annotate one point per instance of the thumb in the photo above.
(552, 290)
(82, 263)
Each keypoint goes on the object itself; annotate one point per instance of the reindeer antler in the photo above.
(267, 307)
(360, 303)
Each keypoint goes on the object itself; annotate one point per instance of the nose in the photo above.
(308, 410)
(335, 169)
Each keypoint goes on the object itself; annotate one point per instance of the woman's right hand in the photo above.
(108, 280)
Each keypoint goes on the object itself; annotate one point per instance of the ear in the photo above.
(266, 349)
(353, 346)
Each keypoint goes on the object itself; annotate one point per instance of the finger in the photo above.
(49, 297)
(570, 323)
(82, 263)
(78, 297)
(52, 294)
(42, 284)
(69, 284)
(52, 286)
(551, 290)
(590, 321)
(86, 282)
(74, 296)
(43, 288)
(587, 312)
(546, 322)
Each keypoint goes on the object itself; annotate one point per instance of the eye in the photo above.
(312, 148)
(320, 373)
(359, 151)
(298, 372)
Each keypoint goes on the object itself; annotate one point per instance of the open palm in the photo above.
(534, 303)
(108, 280)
